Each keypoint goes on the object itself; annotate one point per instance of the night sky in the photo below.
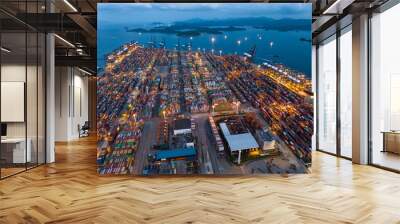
(147, 13)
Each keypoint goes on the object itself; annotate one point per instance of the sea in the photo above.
(290, 48)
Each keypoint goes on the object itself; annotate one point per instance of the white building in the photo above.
(182, 126)
(238, 142)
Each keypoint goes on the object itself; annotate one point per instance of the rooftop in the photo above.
(265, 136)
(238, 142)
(180, 124)
(175, 153)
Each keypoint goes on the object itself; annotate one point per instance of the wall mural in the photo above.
(204, 88)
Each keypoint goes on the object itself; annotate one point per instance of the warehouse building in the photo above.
(238, 142)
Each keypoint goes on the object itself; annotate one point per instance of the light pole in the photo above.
(237, 107)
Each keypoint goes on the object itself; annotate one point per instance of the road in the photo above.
(208, 149)
(206, 165)
(147, 140)
(181, 85)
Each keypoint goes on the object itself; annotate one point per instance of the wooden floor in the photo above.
(70, 191)
(386, 159)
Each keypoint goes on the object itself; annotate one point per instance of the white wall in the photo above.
(12, 73)
(80, 112)
(71, 102)
(61, 103)
(33, 127)
(17, 73)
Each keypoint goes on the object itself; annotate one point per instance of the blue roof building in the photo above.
(188, 153)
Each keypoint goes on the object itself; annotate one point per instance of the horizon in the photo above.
(171, 13)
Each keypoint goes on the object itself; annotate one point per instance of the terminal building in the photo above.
(238, 140)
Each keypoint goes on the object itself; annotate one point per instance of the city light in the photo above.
(237, 106)
(212, 39)
(225, 88)
(189, 84)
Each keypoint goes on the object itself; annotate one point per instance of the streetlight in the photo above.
(237, 106)
(238, 42)
(164, 114)
(220, 52)
(213, 107)
(225, 37)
